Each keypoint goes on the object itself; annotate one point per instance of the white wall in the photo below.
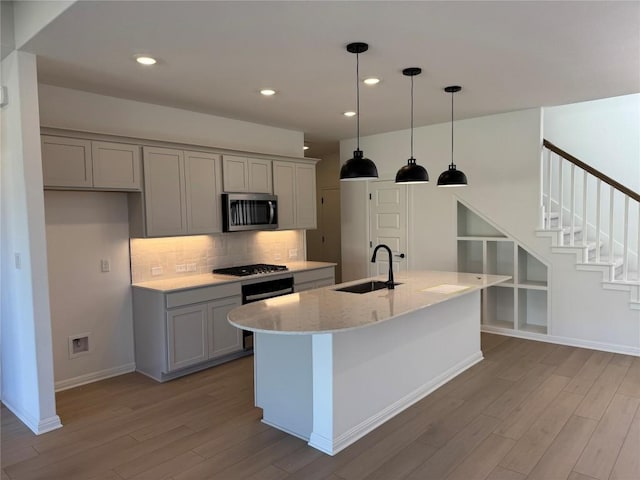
(27, 371)
(603, 133)
(500, 155)
(32, 16)
(76, 110)
(83, 228)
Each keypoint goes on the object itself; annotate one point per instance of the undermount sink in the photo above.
(366, 287)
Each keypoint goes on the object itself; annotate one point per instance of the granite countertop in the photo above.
(187, 282)
(325, 310)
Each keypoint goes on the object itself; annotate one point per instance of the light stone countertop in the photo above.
(325, 310)
(187, 282)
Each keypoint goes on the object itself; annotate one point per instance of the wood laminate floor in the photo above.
(530, 410)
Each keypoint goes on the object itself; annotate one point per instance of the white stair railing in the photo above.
(608, 225)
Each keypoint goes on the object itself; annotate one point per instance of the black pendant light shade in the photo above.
(452, 177)
(412, 172)
(358, 167)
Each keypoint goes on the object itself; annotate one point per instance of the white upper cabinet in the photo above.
(66, 162)
(295, 185)
(203, 186)
(73, 163)
(116, 165)
(246, 174)
(164, 192)
(181, 194)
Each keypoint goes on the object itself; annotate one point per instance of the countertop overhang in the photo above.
(326, 310)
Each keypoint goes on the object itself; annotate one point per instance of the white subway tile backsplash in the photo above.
(211, 251)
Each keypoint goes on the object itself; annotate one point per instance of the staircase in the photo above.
(591, 216)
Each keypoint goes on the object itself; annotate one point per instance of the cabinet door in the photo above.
(284, 187)
(224, 338)
(305, 196)
(165, 209)
(66, 162)
(202, 174)
(260, 177)
(116, 165)
(235, 174)
(186, 336)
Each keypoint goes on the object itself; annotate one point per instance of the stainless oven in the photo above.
(278, 282)
(261, 290)
(249, 211)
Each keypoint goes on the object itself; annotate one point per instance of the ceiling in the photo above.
(214, 57)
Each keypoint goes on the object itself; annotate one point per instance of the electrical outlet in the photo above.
(293, 253)
(105, 265)
(18, 260)
(181, 268)
(156, 271)
(192, 267)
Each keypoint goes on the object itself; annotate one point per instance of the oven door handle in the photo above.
(261, 296)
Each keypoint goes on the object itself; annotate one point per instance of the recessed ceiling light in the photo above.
(349, 114)
(306, 147)
(144, 60)
(267, 92)
(371, 81)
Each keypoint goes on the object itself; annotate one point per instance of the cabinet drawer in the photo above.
(313, 275)
(204, 294)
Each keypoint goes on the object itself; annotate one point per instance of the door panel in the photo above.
(388, 225)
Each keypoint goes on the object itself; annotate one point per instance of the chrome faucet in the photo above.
(389, 282)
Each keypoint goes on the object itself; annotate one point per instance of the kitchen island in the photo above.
(330, 366)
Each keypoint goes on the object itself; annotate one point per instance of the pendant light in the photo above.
(452, 177)
(358, 167)
(412, 172)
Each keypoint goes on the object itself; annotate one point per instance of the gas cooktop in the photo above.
(254, 269)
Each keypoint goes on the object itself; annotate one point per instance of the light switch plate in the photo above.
(105, 265)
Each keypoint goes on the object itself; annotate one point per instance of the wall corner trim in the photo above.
(37, 427)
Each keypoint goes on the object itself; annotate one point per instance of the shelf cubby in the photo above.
(470, 255)
(532, 310)
(471, 225)
(498, 307)
(517, 305)
(531, 271)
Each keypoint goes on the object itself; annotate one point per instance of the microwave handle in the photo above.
(272, 212)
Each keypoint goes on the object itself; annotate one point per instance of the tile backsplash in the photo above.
(174, 256)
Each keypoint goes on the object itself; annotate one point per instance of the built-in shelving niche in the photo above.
(518, 305)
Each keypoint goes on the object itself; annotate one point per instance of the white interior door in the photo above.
(388, 225)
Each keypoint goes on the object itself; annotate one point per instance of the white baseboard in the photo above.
(94, 377)
(341, 442)
(571, 342)
(36, 426)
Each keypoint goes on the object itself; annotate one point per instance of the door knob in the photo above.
(400, 255)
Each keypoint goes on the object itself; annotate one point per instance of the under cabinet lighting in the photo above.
(267, 92)
(349, 114)
(371, 81)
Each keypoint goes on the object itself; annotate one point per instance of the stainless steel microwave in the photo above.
(249, 211)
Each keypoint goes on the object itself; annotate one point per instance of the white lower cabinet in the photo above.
(180, 332)
(224, 338)
(187, 336)
(310, 279)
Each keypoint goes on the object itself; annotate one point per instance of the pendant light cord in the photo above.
(412, 116)
(358, 100)
(452, 93)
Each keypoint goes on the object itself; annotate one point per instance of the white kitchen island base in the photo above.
(333, 388)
